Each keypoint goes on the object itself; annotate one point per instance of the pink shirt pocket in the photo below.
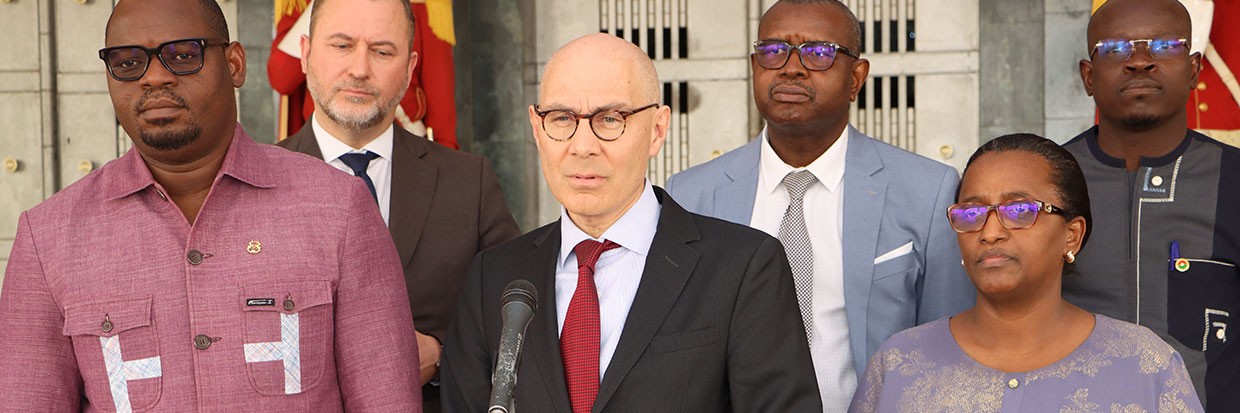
(288, 335)
(117, 349)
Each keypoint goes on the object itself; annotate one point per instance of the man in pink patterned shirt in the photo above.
(202, 271)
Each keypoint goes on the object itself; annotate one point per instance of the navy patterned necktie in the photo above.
(358, 162)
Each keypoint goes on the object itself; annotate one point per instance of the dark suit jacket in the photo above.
(714, 326)
(446, 206)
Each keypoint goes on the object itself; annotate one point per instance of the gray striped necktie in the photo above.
(795, 237)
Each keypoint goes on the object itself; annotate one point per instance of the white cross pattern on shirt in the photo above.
(288, 350)
(120, 372)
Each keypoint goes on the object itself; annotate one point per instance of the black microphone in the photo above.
(519, 302)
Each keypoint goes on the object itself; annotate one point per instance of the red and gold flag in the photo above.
(1214, 107)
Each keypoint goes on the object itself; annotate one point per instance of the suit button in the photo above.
(1201, 86)
(202, 342)
(1203, 107)
(195, 257)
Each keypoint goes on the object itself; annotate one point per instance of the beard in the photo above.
(1139, 121)
(356, 120)
(170, 140)
(165, 138)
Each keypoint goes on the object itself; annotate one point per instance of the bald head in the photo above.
(596, 168)
(601, 57)
(1133, 14)
(1137, 90)
(852, 42)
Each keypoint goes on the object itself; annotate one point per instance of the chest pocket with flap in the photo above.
(128, 376)
(288, 335)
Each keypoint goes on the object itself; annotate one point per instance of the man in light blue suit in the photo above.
(864, 223)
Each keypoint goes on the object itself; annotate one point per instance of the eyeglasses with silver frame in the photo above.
(1120, 50)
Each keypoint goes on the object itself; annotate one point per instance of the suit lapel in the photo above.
(413, 183)
(734, 199)
(668, 266)
(539, 268)
(865, 190)
(303, 141)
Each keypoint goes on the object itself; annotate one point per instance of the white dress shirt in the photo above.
(380, 169)
(824, 204)
(616, 274)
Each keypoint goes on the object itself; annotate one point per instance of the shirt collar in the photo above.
(1095, 149)
(332, 148)
(244, 161)
(634, 230)
(828, 168)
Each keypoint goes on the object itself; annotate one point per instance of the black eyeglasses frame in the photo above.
(157, 51)
(800, 49)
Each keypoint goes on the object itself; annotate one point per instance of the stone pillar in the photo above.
(1069, 111)
(1012, 68)
(493, 39)
(255, 99)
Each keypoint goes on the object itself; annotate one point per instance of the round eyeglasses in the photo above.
(608, 124)
(817, 56)
(180, 57)
(1018, 214)
(1120, 50)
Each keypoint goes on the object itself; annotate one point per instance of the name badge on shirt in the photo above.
(260, 302)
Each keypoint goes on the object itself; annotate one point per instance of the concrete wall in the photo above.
(1030, 80)
(1012, 67)
(494, 42)
(255, 98)
(1068, 110)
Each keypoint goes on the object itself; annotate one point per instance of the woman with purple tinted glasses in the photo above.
(1022, 347)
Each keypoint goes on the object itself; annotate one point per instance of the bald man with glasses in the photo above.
(1164, 197)
(643, 306)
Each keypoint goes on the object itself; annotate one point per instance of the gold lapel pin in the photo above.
(254, 247)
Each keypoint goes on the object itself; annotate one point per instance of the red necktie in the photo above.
(579, 339)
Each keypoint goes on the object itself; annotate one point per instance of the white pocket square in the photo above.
(898, 252)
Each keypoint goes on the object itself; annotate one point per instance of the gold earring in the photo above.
(1069, 257)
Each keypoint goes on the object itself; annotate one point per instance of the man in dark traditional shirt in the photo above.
(1167, 218)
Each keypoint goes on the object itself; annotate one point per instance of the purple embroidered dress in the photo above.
(1121, 367)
